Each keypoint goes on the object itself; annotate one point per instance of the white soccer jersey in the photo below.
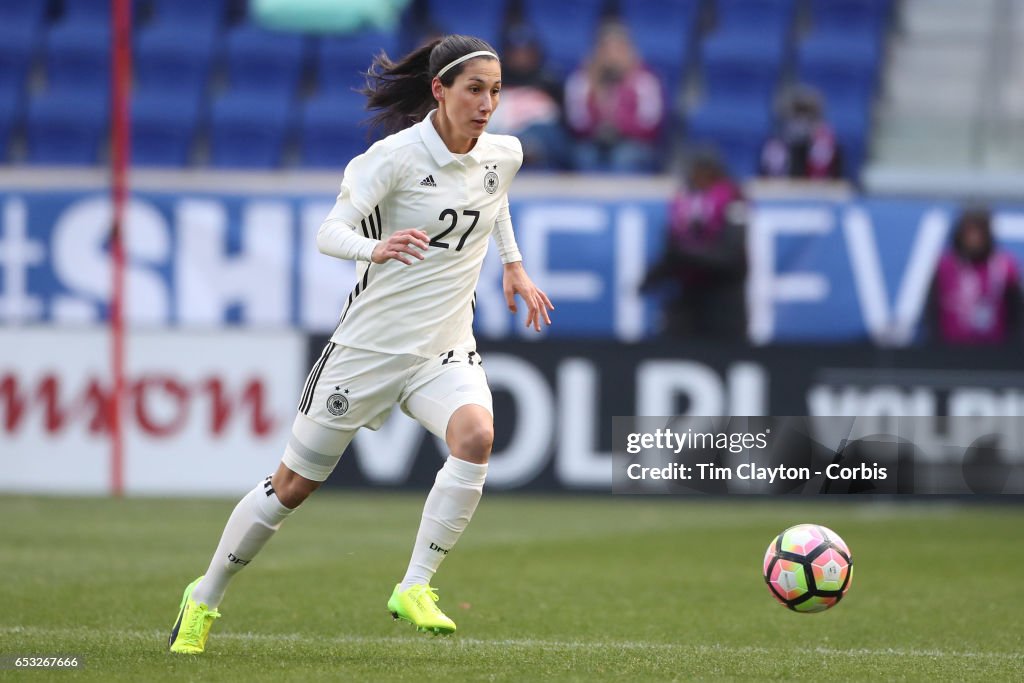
(411, 180)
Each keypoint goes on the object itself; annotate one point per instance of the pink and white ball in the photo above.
(808, 568)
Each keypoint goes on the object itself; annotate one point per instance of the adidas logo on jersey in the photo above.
(428, 182)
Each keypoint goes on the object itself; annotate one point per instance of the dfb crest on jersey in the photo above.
(337, 404)
(491, 179)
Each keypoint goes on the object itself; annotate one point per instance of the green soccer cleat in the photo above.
(416, 605)
(193, 625)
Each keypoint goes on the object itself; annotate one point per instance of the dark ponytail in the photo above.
(400, 92)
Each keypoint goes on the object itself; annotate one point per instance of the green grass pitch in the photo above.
(582, 588)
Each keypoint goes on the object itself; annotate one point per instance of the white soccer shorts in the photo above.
(352, 388)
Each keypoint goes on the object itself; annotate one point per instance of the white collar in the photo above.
(435, 145)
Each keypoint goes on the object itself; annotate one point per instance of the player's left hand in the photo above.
(516, 281)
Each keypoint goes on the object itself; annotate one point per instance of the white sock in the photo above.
(255, 519)
(449, 507)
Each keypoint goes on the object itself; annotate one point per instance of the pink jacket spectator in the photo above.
(633, 108)
(974, 299)
(697, 217)
(819, 155)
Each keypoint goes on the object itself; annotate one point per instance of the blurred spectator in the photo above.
(530, 101)
(705, 256)
(615, 106)
(804, 144)
(976, 293)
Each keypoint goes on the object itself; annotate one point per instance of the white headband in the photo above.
(460, 60)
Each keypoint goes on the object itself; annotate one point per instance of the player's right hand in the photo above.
(412, 242)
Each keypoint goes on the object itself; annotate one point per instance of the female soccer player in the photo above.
(417, 211)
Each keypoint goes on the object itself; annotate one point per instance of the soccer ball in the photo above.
(808, 568)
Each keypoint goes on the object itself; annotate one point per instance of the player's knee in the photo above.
(292, 488)
(473, 441)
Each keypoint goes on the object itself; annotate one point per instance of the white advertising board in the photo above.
(204, 412)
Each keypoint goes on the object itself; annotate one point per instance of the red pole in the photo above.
(120, 121)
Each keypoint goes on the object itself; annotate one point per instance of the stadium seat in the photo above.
(742, 63)
(851, 123)
(773, 17)
(332, 130)
(663, 31)
(248, 128)
(164, 123)
(266, 61)
(852, 51)
(567, 28)
(745, 66)
(748, 51)
(66, 126)
(470, 17)
(78, 56)
(743, 60)
(161, 60)
(84, 13)
(10, 115)
(21, 17)
(758, 50)
(17, 50)
(193, 14)
(737, 131)
(839, 64)
(341, 62)
(850, 17)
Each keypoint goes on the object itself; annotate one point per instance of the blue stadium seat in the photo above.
(856, 51)
(84, 13)
(849, 17)
(161, 60)
(749, 48)
(341, 62)
(677, 14)
(267, 61)
(249, 129)
(742, 65)
(17, 50)
(164, 123)
(738, 133)
(470, 17)
(78, 56)
(712, 120)
(568, 29)
(67, 126)
(332, 130)
(840, 64)
(851, 123)
(663, 31)
(737, 47)
(194, 14)
(11, 99)
(19, 16)
(755, 16)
